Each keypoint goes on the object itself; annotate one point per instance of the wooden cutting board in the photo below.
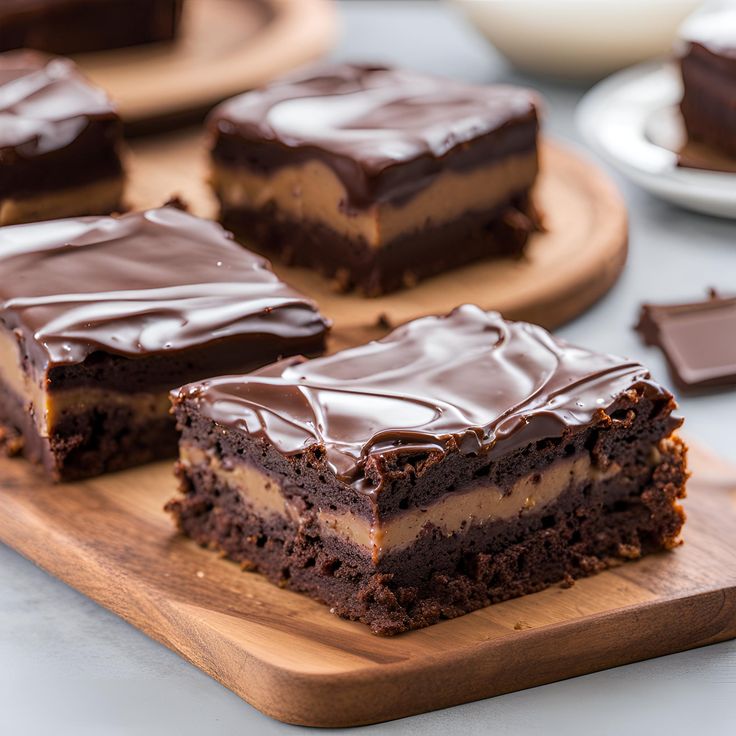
(224, 47)
(566, 268)
(292, 659)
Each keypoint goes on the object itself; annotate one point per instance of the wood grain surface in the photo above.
(289, 657)
(224, 47)
(566, 268)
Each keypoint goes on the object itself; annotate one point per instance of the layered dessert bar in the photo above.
(460, 461)
(100, 317)
(59, 141)
(377, 177)
(707, 58)
(74, 26)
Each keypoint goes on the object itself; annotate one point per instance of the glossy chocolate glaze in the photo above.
(385, 132)
(148, 283)
(697, 339)
(469, 381)
(55, 127)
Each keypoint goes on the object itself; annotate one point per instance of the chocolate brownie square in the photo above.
(59, 142)
(460, 461)
(377, 177)
(100, 317)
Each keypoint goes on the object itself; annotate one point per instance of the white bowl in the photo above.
(631, 120)
(578, 39)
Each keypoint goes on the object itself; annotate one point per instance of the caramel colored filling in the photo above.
(312, 192)
(87, 199)
(478, 504)
(20, 382)
(47, 408)
(143, 404)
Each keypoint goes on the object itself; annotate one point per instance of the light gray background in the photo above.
(68, 666)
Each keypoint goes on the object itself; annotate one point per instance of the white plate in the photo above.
(632, 121)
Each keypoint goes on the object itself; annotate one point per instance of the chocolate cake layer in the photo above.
(708, 66)
(59, 141)
(424, 456)
(406, 260)
(100, 317)
(589, 528)
(372, 159)
(75, 26)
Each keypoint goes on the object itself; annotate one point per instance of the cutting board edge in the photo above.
(310, 698)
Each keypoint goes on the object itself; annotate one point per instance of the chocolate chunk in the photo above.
(697, 338)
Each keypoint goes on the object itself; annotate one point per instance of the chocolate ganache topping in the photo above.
(145, 283)
(385, 132)
(469, 380)
(48, 110)
(45, 103)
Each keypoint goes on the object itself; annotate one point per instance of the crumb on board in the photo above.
(383, 321)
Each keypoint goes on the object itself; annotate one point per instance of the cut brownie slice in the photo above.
(460, 461)
(708, 66)
(59, 141)
(74, 26)
(100, 317)
(377, 177)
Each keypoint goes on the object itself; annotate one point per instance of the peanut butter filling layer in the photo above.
(143, 404)
(21, 383)
(88, 199)
(48, 407)
(478, 504)
(311, 192)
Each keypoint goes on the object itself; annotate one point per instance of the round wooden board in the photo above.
(566, 268)
(224, 47)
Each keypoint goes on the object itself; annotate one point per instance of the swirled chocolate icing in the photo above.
(146, 283)
(55, 127)
(385, 132)
(470, 380)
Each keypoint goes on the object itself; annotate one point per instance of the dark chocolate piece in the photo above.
(697, 338)
(76, 26)
(58, 132)
(459, 461)
(116, 312)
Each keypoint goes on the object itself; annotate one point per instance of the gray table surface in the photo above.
(67, 666)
